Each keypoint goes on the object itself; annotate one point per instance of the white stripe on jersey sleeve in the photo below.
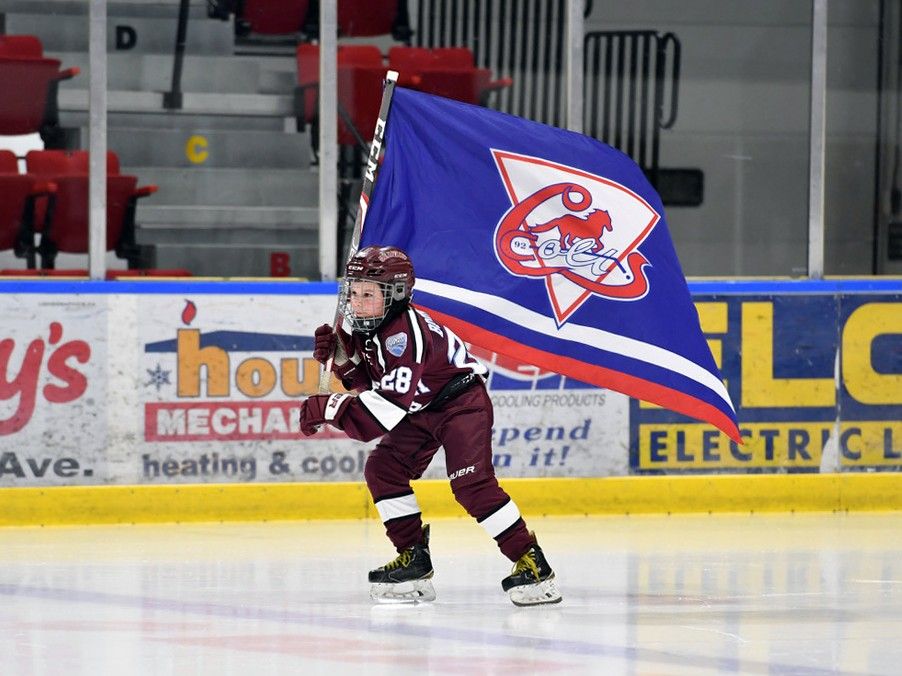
(379, 352)
(394, 508)
(417, 335)
(460, 357)
(501, 520)
(387, 413)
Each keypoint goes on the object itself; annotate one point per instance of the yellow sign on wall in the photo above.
(816, 379)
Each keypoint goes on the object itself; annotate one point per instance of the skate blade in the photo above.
(415, 591)
(536, 594)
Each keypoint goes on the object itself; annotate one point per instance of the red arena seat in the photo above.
(272, 17)
(79, 159)
(360, 93)
(417, 59)
(66, 226)
(52, 163)
(18, 196)
(457, 83)
(356, 18)
(28, 83)
(410, 59)
(361, 71)
(444, 71)
(453, 57)
(307, 91)
(9, 163)
(48, 162)
(360, 55)
(364, 18)
(21, 47)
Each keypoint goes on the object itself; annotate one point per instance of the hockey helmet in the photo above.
(388, 267)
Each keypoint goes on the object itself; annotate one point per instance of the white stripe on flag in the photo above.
(387, 413)
(501, 520)
(394, 508)
(583, 335)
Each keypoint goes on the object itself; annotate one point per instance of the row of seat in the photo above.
(155, 273)
(29, 83)
(450, 72)
(355, 18)
(51, 200)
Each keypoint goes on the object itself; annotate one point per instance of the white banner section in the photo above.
(159, 388)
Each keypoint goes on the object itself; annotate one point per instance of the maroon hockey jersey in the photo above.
(400, 369)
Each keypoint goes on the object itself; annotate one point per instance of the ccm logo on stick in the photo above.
(461, 472)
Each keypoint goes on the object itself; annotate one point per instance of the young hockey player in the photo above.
(418, 389)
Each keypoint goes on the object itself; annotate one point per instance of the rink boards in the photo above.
(185, 396)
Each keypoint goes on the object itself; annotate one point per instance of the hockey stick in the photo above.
(369, 179)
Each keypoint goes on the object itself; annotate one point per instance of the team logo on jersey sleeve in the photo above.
(396, 344)
(579, 232)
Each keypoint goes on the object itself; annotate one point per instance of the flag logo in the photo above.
(578, 232)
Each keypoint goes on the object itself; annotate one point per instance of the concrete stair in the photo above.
(234, 176)
(63, 26)
(194, 146)
(231, 186)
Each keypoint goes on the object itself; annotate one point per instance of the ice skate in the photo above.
(407, 579)
(531, 583)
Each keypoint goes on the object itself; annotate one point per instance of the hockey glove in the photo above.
(324, 341)
(322, 408)
(326, 344)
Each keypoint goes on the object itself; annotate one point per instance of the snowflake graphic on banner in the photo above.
(158, 377)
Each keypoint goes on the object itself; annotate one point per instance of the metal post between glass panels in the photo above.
(817, 148)
(328, 140)
(574, 40)
(97, 194)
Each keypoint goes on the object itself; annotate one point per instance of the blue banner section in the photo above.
(546, 246)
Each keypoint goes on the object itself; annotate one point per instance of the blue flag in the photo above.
(544, 245)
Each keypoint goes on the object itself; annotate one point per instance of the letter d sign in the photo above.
(126, 37)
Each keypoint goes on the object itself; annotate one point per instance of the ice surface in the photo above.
(778, 594)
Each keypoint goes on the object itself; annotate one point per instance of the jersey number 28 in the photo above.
(397, 380)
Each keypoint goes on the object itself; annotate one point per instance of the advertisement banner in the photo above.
(816, 379)
(205, 387)
(221, 399)
(53, 389)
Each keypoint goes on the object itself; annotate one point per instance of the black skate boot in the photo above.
(531, 583)
(407, 579)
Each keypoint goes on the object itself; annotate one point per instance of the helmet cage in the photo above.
(388, 267)
(393, 293)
